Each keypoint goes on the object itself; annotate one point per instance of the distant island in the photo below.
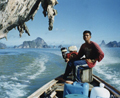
(40, 43)
(110, 44)
(2, 46)
(37, 43)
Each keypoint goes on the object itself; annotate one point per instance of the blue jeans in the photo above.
(76, 66)
(79, 65)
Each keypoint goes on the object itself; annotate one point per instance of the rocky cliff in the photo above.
(113, 44)
(110, 44)
(37, 43)
(14, 13)
(103, 43)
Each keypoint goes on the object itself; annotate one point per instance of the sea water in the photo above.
(23, 71)
(109, 68)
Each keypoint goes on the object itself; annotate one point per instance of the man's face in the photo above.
(86, 37)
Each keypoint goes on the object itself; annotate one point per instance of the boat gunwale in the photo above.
(42, 89)
(108, 86)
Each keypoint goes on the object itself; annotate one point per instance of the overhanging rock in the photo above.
(14, 13)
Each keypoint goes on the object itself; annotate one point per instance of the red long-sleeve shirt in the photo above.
(91, 51)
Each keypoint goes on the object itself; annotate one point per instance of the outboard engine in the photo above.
(72, 51)
(64, 50)
(72, 48)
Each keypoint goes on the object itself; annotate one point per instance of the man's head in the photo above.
(87, 36)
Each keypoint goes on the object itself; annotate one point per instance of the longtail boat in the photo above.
(55, 88)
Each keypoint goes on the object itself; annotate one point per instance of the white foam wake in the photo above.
(39, 67)
(15, 85)
(105, 70)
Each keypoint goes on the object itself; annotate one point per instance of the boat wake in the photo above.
(108, 70)
(16, 85)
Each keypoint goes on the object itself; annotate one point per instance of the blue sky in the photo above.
(101, 17)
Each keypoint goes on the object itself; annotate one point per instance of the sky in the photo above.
(101, 17)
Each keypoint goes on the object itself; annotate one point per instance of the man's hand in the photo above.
(91, 61)
(66, 60)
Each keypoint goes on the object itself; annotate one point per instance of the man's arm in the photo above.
(100, 53)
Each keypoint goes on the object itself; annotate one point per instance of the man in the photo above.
(92, 53)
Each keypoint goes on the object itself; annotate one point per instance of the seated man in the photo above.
(92, 53)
